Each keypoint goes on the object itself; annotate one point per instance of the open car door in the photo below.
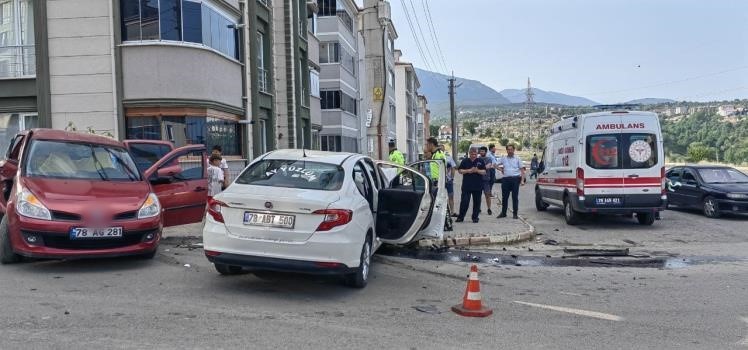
(180, 180)
(435, 226)
(405, 207)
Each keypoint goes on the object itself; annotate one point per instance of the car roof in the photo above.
(74, 136)
(151, 142)
(618, 112)
(336, 158)
(700, 166)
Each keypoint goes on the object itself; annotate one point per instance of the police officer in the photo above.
(396, 156)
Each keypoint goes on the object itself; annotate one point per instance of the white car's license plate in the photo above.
(87, 232)
(265, 219)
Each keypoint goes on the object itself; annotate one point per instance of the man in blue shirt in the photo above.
(472, 169)
(514, 176)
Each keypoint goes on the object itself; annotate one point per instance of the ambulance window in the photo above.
(641, 151)
(602, 151)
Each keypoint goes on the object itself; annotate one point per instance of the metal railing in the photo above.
(17, 61)
(262, 79)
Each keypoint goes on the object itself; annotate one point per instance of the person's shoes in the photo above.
(490, 212)
(459, 220)
(455, 216)
(515, 217)
(501, 216)
(475, 221)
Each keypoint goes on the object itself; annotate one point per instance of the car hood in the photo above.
(83, 196)
(729, 188)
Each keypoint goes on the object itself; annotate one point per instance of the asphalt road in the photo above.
(177, 300)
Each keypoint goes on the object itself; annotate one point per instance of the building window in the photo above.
(314, 82)
(335, 8)
(178, 20)
(262, 72)
(332, 52)
(391, 78)
(188, 130)
(335, 99)
(305, 81)
(17, 53)
(13, 123)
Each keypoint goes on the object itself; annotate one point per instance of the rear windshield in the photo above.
(294, 174)
(622, 151)
(723, 176)
(147, 154)
(68, 160)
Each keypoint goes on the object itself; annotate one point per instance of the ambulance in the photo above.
(609, 162)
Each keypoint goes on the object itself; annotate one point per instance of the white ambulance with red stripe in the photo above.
(609, 162)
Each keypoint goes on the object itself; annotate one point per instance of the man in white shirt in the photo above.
(514, 176)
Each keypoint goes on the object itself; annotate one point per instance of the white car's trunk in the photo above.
(299, 203)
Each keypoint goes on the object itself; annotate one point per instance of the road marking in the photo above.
(744, 342)
(572, 294)
(593, 314)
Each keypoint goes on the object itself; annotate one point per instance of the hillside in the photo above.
(472, 92)
(550, 97)
(650, 101)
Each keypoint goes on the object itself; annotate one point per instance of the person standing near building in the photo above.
(396, 156)
(218, 151)
(451, 165)
(432, 146)
(488, 178)
(472, 169)
(534, 166)
(215, 176)
(514, 176)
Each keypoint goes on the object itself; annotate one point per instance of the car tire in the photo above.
(360, 278)
(7, 255)
(540, 205)
(711, 208)
(645, 219)
(149, 255)
(228, 270)
(571, 216)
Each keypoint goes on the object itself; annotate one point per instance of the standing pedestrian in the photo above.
(396, 156)
(218, 151)
(432, 146)
(488, 178)
(451, 165)
(215, 176)
(514, 176)
(534, 166)
(472, 169)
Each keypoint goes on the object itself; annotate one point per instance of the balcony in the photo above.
(17, 62)
(262, 80)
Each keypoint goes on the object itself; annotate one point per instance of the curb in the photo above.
(511, 238)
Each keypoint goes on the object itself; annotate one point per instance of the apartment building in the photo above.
(406, 97)
(340, 75)
(291, 64)
(187, 71)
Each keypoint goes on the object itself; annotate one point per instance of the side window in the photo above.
(360, 178)
(373, 174)
(673, 174)
(186, 166)
(689, 176)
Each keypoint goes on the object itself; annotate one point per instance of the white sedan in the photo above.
(321, 213)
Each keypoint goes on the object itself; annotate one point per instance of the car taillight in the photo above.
(214, 209)
(580, 182)
(663, 183)
(333, 218)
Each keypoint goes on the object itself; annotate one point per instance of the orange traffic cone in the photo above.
(471, 302)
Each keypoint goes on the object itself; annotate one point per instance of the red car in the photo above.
(75, 195)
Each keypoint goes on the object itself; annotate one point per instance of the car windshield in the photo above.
(723, 176)
(85, 161)
(294, 174)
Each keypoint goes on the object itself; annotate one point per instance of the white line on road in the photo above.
(744, 342)
(594, 314)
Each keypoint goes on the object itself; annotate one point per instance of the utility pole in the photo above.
(452, 92)
(528, 108)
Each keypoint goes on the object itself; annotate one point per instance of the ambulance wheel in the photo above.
(539, 204)
(646, 219)
(711, 208)
(572, 216)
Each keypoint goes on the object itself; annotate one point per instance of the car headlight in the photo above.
(30, 206)
(151, 207)
(737, 195)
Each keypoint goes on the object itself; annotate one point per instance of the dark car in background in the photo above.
(712, 189)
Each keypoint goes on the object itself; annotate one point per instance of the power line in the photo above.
(423, 36)
(415, 36)
(434, 35)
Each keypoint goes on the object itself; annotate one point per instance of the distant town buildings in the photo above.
(726, 110)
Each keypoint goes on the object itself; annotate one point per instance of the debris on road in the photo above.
(630, 242)
(597, 251)
(429, 309)
(187, 265)
(550, 242)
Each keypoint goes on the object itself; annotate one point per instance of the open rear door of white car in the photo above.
(404, 208)
(434, 228)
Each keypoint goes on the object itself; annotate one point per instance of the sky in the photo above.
(606, 50)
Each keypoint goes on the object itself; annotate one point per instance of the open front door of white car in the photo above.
(405, 207)
(435, 226)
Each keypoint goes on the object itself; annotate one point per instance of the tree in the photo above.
(487, 132)
(464, 146)
(504, 141)
(434, 130)
(697, 152)
(470, 127)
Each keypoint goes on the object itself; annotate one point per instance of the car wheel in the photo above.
(572, 216)
(228, 270)
(149, 256)
(646, 219)
(540, 205)
(360, 278)
(711, 208)
(7, 256)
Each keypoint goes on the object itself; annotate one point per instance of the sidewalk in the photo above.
(489, 230)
